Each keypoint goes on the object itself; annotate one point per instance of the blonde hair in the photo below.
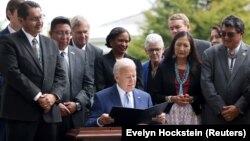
(179, 16)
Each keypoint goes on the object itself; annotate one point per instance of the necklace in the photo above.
(182, 80)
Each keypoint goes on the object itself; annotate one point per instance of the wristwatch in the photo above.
(78, 106)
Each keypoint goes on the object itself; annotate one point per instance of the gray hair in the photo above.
(78, 20)
(122, 63)
(153, 38)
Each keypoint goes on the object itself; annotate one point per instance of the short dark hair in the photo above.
(12, 5)
(59, 20)
(233, 21)
(113, 35)
(24, 7)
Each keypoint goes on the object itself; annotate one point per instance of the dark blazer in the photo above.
(107, 98)
(25, 77)
(164, 85)
(222, 89)
(2, 126)
(104, 77)
(81, 86)
(201, 46)
(145, 70)
(92, 52)
(3, 32)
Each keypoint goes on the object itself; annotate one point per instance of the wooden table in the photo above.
(96, 134)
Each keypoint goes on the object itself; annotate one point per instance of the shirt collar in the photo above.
(11, 30)
(30, 37)
(83, 47)
(66, 50)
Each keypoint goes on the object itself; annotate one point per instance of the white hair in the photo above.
(153, 38)
(124, 62)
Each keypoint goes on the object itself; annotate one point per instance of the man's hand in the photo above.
(46, 101)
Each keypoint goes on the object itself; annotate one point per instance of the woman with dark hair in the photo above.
(215, 36)
(177, 81)
(118, 40)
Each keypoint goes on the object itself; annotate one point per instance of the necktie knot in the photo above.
(62, 53)
(127, 101)
(232, 53)
(34, 41)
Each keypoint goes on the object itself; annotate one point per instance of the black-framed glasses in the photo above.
(228, 34)
(151, 50)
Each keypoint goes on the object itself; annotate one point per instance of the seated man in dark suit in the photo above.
(125, 75)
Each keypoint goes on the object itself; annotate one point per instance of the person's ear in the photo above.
(8, 14)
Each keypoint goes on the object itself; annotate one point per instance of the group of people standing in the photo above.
(51, 85)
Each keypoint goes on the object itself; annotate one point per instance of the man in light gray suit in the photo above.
(179, 22)
(80, 39)
(79, 88)
(223, 77)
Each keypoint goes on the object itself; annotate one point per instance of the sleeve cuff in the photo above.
(97, 121)
(37, 96)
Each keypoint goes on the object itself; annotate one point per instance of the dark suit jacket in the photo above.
(25, 77)
(201, 46)
(222, 89)
(164, 85)
(3, 32)
(145, 71)
(81, 86)
(104, 77)
(92, 52)
(107, 98)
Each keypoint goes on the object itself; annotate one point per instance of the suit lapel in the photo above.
(241, 55)
(223, 60)
(114, 96)
(137, 99)
(72, 61)
(26, 44)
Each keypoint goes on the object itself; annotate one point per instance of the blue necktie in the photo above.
(127, 101)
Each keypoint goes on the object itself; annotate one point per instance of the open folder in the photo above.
(132, 116)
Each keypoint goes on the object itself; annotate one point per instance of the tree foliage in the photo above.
(201, 19)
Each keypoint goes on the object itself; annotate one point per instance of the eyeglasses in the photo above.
(151, 50)
(36, 19)
(62, 33)
(228, 34)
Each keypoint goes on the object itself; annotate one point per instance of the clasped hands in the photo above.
(230, 112)
(46, 101)
(67, 108)
(182, 100)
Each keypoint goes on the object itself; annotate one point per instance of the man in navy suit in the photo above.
(13, 26)
(32, 67)
(125, 75)
(79, 89)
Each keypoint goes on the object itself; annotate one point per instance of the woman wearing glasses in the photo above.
(154, 48)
